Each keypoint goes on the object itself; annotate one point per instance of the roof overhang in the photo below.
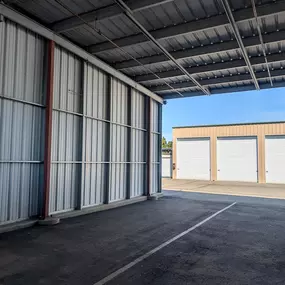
(165, 48)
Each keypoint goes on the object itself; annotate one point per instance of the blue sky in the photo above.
(241, 107)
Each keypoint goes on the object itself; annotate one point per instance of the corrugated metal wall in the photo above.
(156, 153)
(66, 132)
(138, 144)
(118, 140)
(22, 96)
(99, 131)
(95, 140)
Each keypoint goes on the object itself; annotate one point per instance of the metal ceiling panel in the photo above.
(116, 27)
(154, 67)
(168, 80)
(201, 38)
(49, 11)
(159, 16)
(138, 51)
(172, 14)
(269, 24)
(84, 35)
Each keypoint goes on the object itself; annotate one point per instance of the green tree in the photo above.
(164, 142)
(169, 144)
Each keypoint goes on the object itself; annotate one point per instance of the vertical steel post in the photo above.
(48, 130)
(159, 146)
(129, 142)
(108, 141)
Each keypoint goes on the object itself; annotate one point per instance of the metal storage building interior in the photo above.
(102, 128)
(82, 87)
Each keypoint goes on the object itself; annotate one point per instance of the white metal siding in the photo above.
(193, 159)
(66, 132)
(275, 159)
(94, 172)
(155, 147)
(119, 142)
(138, 141)
(21, 122)
(166, 166)
(237, 159)
(80, 131)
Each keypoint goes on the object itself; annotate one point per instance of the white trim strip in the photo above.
(22, 20)
(153, 251)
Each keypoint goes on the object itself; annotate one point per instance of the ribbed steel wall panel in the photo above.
(21, 124)
(138, 167)
(95, 137)
(154, 115)
(95, 166)
(118, 167)
(154, 178)
(138, 110)
(155, 154)
(138, 140)
(155, 162)
(22, 63)
(155, 147)
(23, 79)
(67, 78)
(119, 100)
(66, 132)
(118, 140)
(65, 170)
(95, 92)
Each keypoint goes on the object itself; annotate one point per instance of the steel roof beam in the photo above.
(223, 90)
(261, 38)
(235, 29)
(129, 14)
(202, 50)
(277, 57)
(193, 26)
(220, 80)
(103, 13)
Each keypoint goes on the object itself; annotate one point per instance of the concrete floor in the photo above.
(242, 245)
(276, 191)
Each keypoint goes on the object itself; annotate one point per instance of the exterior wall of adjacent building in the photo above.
(243, 130)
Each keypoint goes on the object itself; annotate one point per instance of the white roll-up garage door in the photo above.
(166, 166)
(275, 159)
(193, 159)
(237, 159)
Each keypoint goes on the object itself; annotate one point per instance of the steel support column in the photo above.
(48, 130)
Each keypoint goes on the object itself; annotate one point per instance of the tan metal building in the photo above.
(252, 152)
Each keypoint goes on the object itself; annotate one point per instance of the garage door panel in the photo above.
(237, 159)
(193, 159)
(275, 159)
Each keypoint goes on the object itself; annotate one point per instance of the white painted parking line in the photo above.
(141, 258)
